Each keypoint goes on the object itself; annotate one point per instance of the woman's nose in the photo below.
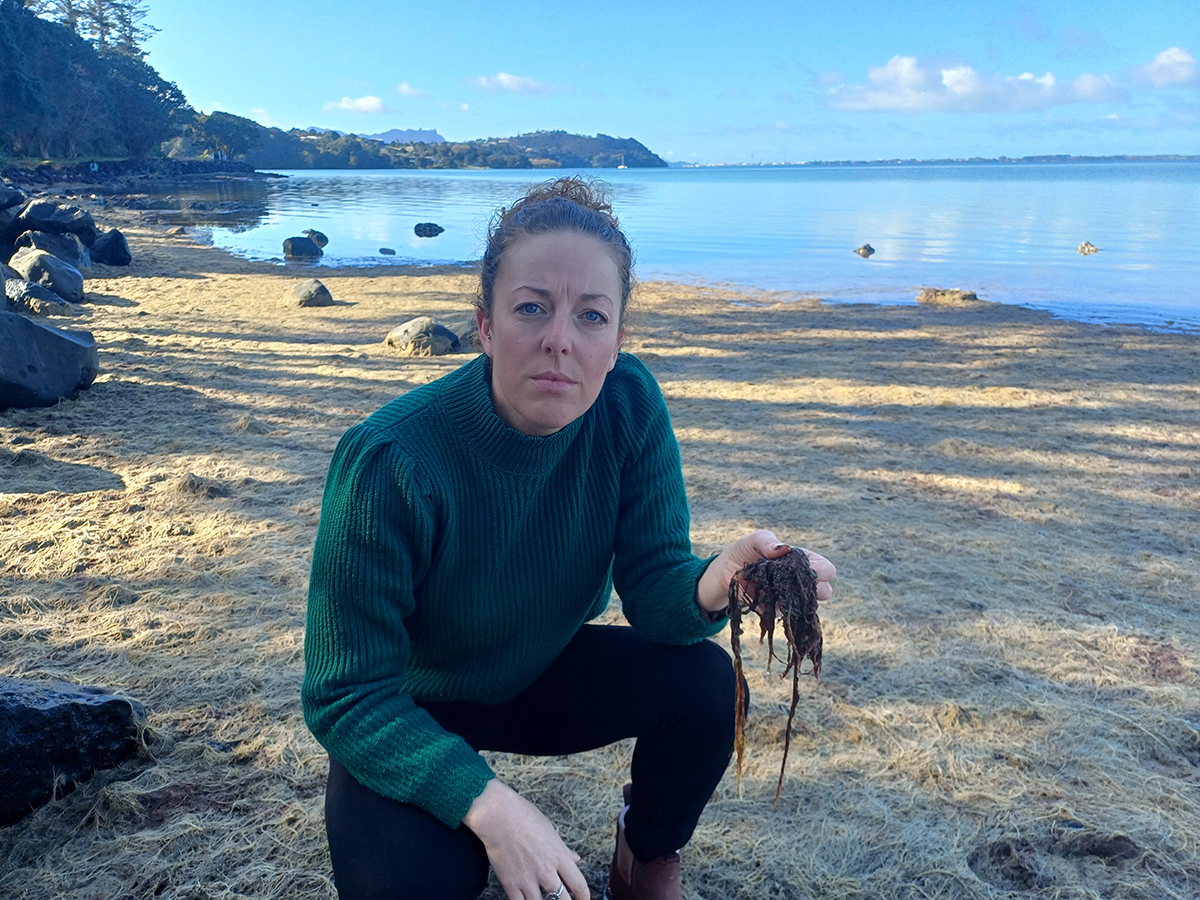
(556, 340)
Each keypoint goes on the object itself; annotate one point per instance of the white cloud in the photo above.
(1174, 67)
(462, 107)
(404, 89)
(367, 104)
(513, 84)
(907, 84)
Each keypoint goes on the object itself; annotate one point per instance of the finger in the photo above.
(824, 591)
(826, 571)
(776, 550)
(575, 883)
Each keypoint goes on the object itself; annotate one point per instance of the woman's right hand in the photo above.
(526, 852)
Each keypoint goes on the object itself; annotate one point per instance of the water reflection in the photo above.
(1008, 232)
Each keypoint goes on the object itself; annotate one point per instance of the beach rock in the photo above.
(53, 735)
(423, 336)
(468, 335)
(947, 297)
(316, 237)
(865, 251)
(49, 271)
(67, 247)
(11, 196)
(311, 293)
(40, 364)
(43, 215)
(26, 297)
(111, 249)
(427, 229)
(300, 248)
(10, 227)
(387, 251)
(1087, 248)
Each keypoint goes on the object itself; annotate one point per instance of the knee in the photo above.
(710, 686)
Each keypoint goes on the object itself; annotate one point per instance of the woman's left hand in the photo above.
(712, 592)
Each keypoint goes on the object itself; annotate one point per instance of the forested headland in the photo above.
(77, 87)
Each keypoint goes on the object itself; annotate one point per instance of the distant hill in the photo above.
(237, 138)
(408, 136)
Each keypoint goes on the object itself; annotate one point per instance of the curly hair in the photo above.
(565, 204)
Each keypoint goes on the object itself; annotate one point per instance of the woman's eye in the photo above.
(592, 316)
(529, 309)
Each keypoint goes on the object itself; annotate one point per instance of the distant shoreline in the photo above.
(971, 161)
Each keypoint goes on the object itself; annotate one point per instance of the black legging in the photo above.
(608, 684)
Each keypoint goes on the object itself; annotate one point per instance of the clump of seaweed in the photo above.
(784, 588)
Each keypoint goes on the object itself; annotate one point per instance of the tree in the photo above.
(109, 24)
(23, 101)
(149, 108)
(129, 28)
(227, 133)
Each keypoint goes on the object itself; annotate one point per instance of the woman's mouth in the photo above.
(552, 382)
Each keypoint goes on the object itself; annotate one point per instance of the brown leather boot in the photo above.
(629, 879)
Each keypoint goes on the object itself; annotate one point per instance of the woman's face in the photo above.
(554, 329)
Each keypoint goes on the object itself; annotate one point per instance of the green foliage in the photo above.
(68, 100)
(297, 149)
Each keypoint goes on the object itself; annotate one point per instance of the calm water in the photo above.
(1009, 232)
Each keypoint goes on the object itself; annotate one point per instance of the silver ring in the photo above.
(555, 895)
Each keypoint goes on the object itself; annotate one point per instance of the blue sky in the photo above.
(709, 82)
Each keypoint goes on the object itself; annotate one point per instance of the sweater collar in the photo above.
(467, 403)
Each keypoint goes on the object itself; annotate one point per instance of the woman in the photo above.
(470, 530)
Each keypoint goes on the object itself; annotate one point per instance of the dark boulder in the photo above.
(10, 226)
(316, 237)
(311, 293)
(865, 251)
(26, 297)
(40, 364)
(300, 248)
(387, 251)
(11, 196)
(67, 247)
(49, 271)
(111, 249)
(423, 336)
(427, 229)
(53, 735)
(42, 215)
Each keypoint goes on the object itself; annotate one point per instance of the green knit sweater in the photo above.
(456, 557)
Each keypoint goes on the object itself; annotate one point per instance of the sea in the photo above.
(1008, 231)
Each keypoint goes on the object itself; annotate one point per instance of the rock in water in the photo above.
(50, 272)
(1087, 248)
(316, 237)
(948, 297)
(427, 229)
(865, 251)
(53, 735)
(40, 364)
(301, 248)
(311, 293)
(387, 251)
(111, 249)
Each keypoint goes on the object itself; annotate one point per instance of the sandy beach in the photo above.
(1009, 703)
